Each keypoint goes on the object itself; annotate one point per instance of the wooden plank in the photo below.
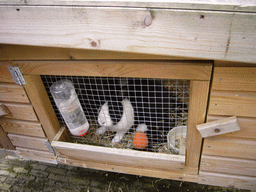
(228, 165)
(217, 5)
(230, 102)
(20, 111)
(143, 69)
(230, 147)
(3, 110)
(224, 180)
(23, 52)
(28, 142)
(36, 155)
(42, 105)
(219, 127)
(196, 115)
(5, 75)
(234, 79)
(13, 93)
(124, 157)
(247, 127)
(22, 127)
(142, 171)
(4, 140)
(200, 34)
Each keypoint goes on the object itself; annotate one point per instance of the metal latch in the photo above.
(17, 75)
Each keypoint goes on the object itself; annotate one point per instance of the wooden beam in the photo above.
(183, 33)
(216, 5)
(42, 105)
(194, 70)
(4, 140)
(196, 115)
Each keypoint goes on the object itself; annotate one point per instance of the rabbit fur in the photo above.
(125, 123)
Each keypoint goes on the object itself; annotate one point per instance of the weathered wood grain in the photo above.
(234, 79)
(196, 115)
(28, 142)
(183, 33)
(142, 69)
(20, 111)
(13, 93)
(42, 105)
(4, 140)
(22, 127)
(232, 103)
(230, 147)
(36, 155)
(234, 166)
(227, 180)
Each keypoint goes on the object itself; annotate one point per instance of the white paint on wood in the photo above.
(185, 33)
(222, 126)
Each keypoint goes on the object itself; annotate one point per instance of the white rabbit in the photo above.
(122, 126)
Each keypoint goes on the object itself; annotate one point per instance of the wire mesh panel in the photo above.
(131, 113)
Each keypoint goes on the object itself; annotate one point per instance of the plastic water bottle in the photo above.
(65, 97)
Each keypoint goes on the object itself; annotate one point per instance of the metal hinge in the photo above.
(17, 75)
(50, 148)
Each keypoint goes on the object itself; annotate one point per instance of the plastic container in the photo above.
(174, 135)
(65, 97)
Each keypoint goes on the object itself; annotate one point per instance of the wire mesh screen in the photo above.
(144, 113)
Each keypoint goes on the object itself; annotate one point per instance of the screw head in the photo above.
(216, 130)
(93, 44)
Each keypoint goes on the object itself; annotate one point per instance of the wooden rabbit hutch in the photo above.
(200, 55)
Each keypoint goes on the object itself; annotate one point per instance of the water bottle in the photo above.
(65, 97)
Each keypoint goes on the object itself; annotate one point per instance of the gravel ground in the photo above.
(25, 176)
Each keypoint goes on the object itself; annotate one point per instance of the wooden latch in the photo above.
(226, 125)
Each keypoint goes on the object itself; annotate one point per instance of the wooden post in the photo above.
(4, 140)
(197, 111)
(42, 105)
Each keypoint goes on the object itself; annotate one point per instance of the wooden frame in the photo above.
(135, 162)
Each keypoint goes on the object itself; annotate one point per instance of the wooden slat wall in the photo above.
(230, 159)
(21, 134)
(13, 93)
(22, 127)
(20, 111)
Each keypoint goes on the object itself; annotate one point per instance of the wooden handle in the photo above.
(3, 110)
(218, 127)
